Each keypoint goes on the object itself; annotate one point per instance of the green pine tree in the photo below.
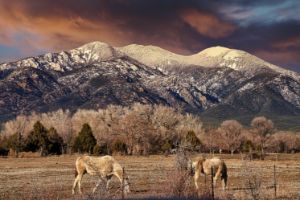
(37, 139)
(85, 141)
(16, 142)
(55, 142)
(192, 140)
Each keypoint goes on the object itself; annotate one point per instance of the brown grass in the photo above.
(52, 177)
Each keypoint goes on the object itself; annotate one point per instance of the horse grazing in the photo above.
(204, 166)
(105, 167)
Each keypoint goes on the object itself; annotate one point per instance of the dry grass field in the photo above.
(52, 178)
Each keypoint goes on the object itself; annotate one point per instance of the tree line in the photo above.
(136, 130)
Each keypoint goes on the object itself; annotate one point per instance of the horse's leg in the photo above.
(74, 185)
(107, 183)
(119, 177)
(217, 174)
(97, 185)
(124, 185)
(76, 182)
(196, 180)
(224, 182)
(79, 182)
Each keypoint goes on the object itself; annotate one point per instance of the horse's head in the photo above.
(126, 184)
(191, 168)
(198, 164)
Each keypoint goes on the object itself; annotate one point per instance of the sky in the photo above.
(269, 29)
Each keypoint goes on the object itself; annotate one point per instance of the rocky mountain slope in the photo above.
(217, 83)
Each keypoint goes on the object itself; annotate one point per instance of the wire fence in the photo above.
(244, 176)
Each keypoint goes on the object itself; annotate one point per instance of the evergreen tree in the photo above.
(38, 139)
(15, 142)
(85, 141)
(55, 142)
(4, 149)
(191, 140)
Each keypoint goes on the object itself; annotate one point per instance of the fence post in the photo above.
(205, 180)
(212, 183)
(275, 184)
(123, 182)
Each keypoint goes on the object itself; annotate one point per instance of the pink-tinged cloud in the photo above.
(55, 32)
(207, 24)
(37, 26)
(283, 58)
(56, 28)
(292, 42)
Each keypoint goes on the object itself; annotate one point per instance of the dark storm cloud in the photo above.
(265, 28)
(278, 43)
(175, 25)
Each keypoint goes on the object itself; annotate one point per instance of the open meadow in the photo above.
(52, 178)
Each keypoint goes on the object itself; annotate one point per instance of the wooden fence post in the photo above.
(205, 180)
(275, 184)
(212, 183)
(123, 182)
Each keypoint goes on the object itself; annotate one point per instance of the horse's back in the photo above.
(98, 165)
(215, 161)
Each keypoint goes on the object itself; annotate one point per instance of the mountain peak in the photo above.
(95, 45)
(214, 51)
(97, 51)
(217, 56)
(152, 55)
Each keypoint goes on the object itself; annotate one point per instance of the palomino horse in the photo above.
(204, 166)
(105, 167)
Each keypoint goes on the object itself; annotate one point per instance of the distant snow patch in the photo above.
(246, 87)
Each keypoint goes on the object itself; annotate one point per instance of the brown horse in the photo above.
(105, 167)
(204, 166)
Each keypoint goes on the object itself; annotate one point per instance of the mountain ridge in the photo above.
(100, 51)
(96, 75)
(222, 56)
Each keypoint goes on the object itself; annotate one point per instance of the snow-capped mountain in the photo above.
(217, 83)
(211, 57)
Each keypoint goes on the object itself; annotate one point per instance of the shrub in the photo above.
(102, 149)
(181, 160)
(181, 187)
(3, 151)
(166, 147)
(119, 147)
(96, 150)
(247, 146)
(85, 141)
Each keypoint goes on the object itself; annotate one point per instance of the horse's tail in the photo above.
(76, 173)
(224, 175)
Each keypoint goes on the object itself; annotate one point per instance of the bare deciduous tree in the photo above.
(264, 128)
(231, 134)
(137, 127)
(284, 142)
(211, 139)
